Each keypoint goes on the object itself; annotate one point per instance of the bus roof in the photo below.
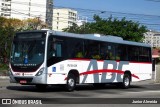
(105, 38)
(98, 37)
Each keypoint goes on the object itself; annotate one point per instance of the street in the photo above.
(144, 89)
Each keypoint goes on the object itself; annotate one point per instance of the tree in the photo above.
(8, 29)
(127, 29)
(33, 24)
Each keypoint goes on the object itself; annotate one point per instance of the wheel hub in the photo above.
(71, 82)
(126, 81)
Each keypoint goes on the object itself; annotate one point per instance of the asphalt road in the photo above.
(83, 94)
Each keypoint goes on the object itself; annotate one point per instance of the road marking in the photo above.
(149, 91)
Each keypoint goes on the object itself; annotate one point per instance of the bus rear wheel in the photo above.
(126, 81)
(71, 83)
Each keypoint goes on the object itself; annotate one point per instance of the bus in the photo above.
(47, 57)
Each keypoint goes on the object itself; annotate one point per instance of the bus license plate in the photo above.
(23, 81)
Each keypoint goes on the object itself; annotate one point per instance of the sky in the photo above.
(127, 6)
(142, 7)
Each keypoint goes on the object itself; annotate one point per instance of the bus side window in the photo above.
(106, 53)
(51, 49)
(58, 50)
(133, 53)
(55, 50)
(121, 52)
(92, 50)
(144, 55)
(111, 51)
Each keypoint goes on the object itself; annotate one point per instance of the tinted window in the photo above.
(108, 51)
(121, 52)
(92, 49)
(54, 47)
(54, 50)
(133, 53)
(74, 48)
(144, 55)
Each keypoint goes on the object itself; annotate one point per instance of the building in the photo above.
(152, 38)
(63, 18)
(155, 53)
(81, 20)
(24, 9)
(5, 8)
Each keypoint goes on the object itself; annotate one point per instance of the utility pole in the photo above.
(49, 15)
(29, 12)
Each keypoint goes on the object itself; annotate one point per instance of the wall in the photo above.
(157, 74)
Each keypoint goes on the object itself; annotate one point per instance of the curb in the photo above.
(4, 77)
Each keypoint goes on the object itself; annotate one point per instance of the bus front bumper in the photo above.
(29, 80)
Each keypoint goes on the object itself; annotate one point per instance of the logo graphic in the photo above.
(6, 101)
(53, 69)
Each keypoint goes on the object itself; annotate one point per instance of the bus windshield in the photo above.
(27, 52)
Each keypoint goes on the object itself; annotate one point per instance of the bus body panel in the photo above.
(91, 70)
(144, 70)
(105, 76)
(57, 73)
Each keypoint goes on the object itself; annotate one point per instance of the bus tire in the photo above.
(71, 83)
(126, 81)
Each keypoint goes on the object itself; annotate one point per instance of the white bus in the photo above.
(47, 57)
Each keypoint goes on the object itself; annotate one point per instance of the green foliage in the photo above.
(3, 67)
(8, 29)
(127, 29)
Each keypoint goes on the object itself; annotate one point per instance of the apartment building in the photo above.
(152, 38)
(81, 20)
(63, 18)
(5, 8)
(24, 9)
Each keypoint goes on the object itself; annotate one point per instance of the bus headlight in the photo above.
(40, 72)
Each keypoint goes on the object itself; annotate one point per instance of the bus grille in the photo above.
(27, 79)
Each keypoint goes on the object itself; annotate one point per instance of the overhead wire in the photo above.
(152, 21)
(145, 19)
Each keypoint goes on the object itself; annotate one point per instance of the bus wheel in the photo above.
(41, 87)
(126, 81)
(71, 83)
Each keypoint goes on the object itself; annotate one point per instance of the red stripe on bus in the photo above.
(106, 70)
(133, 75)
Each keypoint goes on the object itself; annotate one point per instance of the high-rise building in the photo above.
(24, 9)
(5, 8)
(63, 18)
(152, 38)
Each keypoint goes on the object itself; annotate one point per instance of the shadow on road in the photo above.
(30, 88)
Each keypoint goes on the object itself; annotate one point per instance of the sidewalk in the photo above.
(4, 77)
(145, 82)
(4, 74)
